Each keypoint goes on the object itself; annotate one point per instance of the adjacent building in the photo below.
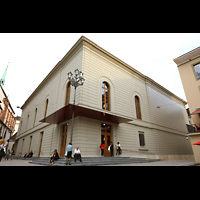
(7, 119)
(189, 69)
(117, 103)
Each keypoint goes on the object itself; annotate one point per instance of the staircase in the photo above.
(92, 161)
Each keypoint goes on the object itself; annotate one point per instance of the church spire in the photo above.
(2, 80)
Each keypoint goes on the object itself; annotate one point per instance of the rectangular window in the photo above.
(197, 70)
(141, 138)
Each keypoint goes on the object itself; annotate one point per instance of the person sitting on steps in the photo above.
(77, 154)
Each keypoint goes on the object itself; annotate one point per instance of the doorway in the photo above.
(63, 141)
(106, 138)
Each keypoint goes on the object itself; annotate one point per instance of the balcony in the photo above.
(193, 128)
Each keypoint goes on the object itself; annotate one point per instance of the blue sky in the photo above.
(33, 55)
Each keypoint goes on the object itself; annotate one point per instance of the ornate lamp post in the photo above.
(76, 80)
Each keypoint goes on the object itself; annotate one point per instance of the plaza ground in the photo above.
(17, 162)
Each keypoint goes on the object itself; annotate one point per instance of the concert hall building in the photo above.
(116, 103)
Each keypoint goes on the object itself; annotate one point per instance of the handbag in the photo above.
(109, 148)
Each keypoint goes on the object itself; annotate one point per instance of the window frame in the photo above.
(35, 117)
(138, 107)
(46, 107)
(68, 92)
(196, 75)
(105, 86)
(141, 139)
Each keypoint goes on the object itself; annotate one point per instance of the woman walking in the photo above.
(68, 153)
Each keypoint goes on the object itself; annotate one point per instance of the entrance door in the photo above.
(106, 138)
(63, 141)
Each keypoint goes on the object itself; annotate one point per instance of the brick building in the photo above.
(7, 119)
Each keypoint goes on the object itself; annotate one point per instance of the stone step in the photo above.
(92, 161)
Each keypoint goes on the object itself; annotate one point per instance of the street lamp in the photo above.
(76, 80)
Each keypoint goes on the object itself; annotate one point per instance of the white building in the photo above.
(116, 103)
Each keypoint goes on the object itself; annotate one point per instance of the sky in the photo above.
(33, 55)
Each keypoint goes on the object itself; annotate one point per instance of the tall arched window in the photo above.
(45, 113)
(68, 93)
(105, 96)
(35, 117)
(137, 106)
(27, 122)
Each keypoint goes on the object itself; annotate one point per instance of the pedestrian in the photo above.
(118, 148)
(12, 154)
(68, 153)
(77, 154)
(111, 149)
(54, 157)
(2, 153)
(29, 154)
(7, 156)
(102, 149)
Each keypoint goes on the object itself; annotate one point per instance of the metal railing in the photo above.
(193, 128)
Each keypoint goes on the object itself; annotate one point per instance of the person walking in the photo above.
(68, 153)
(12, 154)
(118, 148)
(102, 149)
(2, 153)
(7, 156)
(111, 149)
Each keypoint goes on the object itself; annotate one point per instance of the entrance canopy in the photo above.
(65, 114)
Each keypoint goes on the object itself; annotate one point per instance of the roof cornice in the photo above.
(76, 46)
(111, 56)
(85, 41)
(187, 57)
(146, 78)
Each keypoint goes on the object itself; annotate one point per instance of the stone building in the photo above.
(117, 103)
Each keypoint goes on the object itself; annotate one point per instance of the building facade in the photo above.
(189, 70)
(7, 119)
(116, 104)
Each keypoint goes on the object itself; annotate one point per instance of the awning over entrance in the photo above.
(197, 111)
(65, 114)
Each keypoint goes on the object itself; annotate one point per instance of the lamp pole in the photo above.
(76, 80)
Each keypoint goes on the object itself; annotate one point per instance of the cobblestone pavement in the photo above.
(19, 162)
